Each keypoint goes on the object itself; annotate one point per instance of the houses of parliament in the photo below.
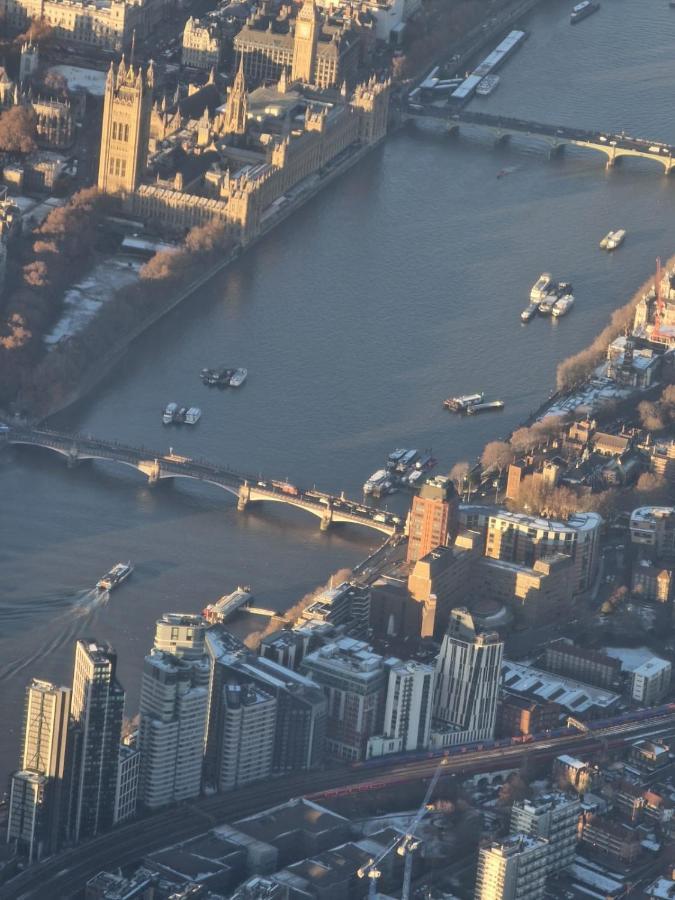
(191, 161)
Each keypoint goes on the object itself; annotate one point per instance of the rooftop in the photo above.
(575, 696)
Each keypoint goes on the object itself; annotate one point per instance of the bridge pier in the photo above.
(327, 519)
(501, 139)
(244, 496)
(555, 150)
(453, 129)
(72, 459)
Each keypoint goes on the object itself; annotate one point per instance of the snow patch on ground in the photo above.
(83, 301)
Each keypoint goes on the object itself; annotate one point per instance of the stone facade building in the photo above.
(202, 45)
(228, 166)
(103, 26)
(54, 120)
(314, 49)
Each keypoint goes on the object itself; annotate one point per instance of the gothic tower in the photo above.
(304, 45)
(237, 104)
(127, 108)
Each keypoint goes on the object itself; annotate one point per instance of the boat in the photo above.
(583, 10)
(488, 85)
(395, 456)
(220, 376)
(606, 239)
(193, 415)
(407, 460)
(169, 412)
(115, 576)
(541, 287)
(375, 480)
(461, 404)
(564, 288)
(529, 312)
(485, 407)
(562, 306)
(547, 304)
(617, 239)
(238, 378)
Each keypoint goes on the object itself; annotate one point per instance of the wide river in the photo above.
(400, 284)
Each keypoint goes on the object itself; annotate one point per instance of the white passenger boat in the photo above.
(169, 413)
(238, 378)
(562, 306)
(193, 415)
(617, 238)
(115, 576)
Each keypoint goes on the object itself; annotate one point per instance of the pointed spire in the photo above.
(122, 70)
(343, 90)
(282, 87)
(150, 75)
(212, 75)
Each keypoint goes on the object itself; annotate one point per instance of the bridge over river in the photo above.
(328, 508)
(613, 146)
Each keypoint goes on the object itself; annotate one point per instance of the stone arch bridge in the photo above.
(328, 508)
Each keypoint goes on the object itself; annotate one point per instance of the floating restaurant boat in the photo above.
(115, 576)
(462, 404)
(541, 287)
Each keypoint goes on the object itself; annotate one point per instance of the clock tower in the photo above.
(304, 45)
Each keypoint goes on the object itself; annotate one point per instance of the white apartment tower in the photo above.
(407, 708)
(468, 675)
(514, 869)
(173, 712)
(247, 740)
(554, 817)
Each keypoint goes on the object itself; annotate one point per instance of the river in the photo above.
(400, 284)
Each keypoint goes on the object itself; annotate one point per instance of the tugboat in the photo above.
(238, 378)
(219, 377)
(529, 312)
(179, 417)
(115, 576)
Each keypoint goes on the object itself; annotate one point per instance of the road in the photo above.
(65, 875)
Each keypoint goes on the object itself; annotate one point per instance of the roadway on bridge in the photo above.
(66, 875)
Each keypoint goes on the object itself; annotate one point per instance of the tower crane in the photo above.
(404, 846)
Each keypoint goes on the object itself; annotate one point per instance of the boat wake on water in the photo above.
(69, 624)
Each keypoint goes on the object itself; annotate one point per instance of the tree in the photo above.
(56, 82)
(651, 415)
(39, 32)
(514, 788)
(36, 274)
(459, 473)
(496, 455)
(17, 130)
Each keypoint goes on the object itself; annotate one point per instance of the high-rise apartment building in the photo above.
(247, 738)
(97, 709)
(468, 675)
(407, 708)
(127, 106)
(28, 825)
(554, 817)
(514, 869)
(514, 537)
(432, 521)
(353, 679)
(173, 712)
(300, 730)
(39, 825)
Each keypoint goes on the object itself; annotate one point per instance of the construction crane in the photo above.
(404, 846)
